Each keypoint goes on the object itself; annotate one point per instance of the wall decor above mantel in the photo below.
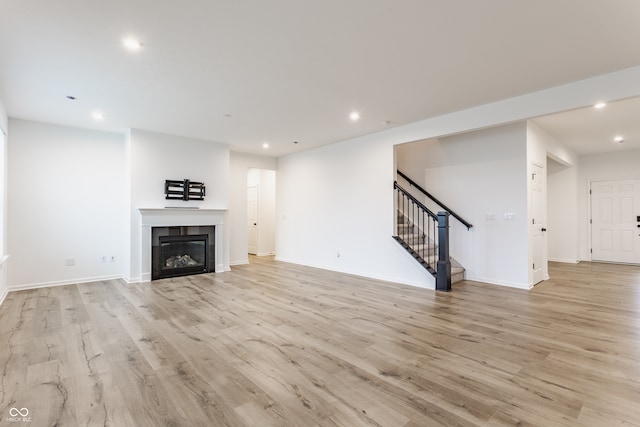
(183, 190)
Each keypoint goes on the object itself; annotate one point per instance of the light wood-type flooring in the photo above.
(276, 344)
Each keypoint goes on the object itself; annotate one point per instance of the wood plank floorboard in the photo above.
(277, 344)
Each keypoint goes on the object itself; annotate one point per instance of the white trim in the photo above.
(524, 286)
(244, 262)
(563, 260)
(63, 283)
(3, 296)
(3, 260)
(589, 222)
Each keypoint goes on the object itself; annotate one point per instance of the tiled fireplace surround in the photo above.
(170, 217)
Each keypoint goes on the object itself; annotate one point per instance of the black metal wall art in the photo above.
(183, 190)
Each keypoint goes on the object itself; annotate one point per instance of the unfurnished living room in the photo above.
(291, 213)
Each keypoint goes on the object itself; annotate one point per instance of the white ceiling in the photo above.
(292, 70)
(592, 131)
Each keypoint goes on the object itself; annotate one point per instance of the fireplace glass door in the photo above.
(183, 255)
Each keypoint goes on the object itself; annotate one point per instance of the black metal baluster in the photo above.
(406, 218)
(397, 212)
(424, 232)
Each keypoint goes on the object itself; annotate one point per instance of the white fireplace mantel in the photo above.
(170, 217)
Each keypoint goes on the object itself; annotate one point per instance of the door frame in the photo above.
(256, 221)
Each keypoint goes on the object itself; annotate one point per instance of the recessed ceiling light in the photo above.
(618, 139)
(265, 145)
(599, 105)
(354, 116)
(97, 115)
(131, 43)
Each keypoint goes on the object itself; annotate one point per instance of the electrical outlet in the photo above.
(104, 259)
(113, 258)
(70, 262)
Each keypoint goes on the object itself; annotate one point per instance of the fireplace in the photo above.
(142, 264)
(182, 250)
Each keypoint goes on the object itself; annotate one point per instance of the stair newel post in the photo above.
(443, 270)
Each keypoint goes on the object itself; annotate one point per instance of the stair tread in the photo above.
(430, 259)
(422, 248)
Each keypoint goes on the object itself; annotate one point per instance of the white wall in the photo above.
(560, 194)
(339, 197)
(4, 119)
(240, 165)
(335, 211)
(453, 174)
(624, 164)
(541, 146)
(66, 199)
(481, 175)
(562, 212)
(154, 158)
(3, 203)
(410, 160)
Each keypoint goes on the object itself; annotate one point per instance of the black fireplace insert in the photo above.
(182, 251)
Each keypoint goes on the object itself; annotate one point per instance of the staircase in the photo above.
(425, 235)
(423, 249)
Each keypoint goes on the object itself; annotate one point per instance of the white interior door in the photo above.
(252, 216)
(537, 226)
(615, 210)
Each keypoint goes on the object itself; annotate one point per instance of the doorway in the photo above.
(261, 212)
(615, 218)
(537, 227)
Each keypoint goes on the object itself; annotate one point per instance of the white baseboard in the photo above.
(525, 286)
(564, 260)
(63, 283)
(244, 262)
